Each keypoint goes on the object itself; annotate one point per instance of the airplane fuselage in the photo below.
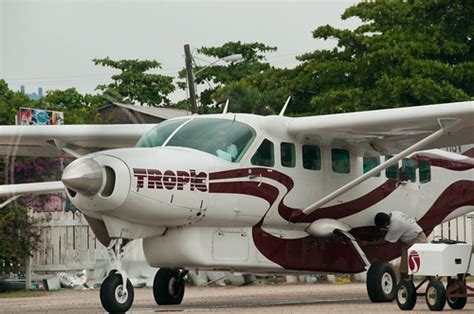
(197, 207)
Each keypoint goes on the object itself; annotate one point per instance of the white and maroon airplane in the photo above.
(241, 192)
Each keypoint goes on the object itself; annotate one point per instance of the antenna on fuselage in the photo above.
(226, 107)
(282, 112)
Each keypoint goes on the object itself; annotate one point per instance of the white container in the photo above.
(439, 259)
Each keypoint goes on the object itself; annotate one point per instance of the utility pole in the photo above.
(190, 75)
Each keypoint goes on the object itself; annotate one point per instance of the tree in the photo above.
(218, 75)
(10, 102)
(77, 108)
(405, 53)
(263, 93)
(135, 83)
(253, 62)
(18, 237)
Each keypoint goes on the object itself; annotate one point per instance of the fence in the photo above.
(459, 229)
(67, 244)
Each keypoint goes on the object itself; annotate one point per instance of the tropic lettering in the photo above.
(170, 180)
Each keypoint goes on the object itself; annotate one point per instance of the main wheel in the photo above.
(113, 296)
(435, 295)
(406, 295)
(168, 287)
(381, 282)
(459, 302)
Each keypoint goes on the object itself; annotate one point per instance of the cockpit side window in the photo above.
(158, 135)
(264, 156)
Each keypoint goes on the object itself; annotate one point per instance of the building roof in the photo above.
(159, 112)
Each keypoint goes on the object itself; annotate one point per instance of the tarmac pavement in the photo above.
(278, 298)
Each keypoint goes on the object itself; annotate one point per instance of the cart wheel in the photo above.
(435, 295)
(406, 295)
(460, 302)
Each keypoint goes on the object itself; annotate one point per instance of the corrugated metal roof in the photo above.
(159, 112)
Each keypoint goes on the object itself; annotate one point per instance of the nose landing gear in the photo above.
(116, 291)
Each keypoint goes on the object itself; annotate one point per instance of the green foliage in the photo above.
(262, 93)
(405, 53)
(253, 62)
(219, 75)
(135, 83)
(10, 102)
(77, 108)
(18, 237)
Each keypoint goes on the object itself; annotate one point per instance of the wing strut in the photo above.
(13, 191)
(446, 125)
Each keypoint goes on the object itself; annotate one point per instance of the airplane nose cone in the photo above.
(83, 176)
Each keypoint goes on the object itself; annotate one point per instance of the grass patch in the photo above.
(21, 294)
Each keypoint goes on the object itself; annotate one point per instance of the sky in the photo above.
(50, 43)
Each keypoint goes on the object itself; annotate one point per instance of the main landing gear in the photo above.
(381, 282)
(168, 286)
(381, 279)
(116, 291)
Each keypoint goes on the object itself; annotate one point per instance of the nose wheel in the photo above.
(115, 298)
(168, 286)
(116, 291)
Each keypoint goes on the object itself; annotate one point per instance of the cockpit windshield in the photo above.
(226, 139)
(158, 135)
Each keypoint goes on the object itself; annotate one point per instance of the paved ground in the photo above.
(321, 298)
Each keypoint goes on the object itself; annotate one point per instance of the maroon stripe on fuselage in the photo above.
(333, 255)
(344, 209)
(447, 163)
(296, 214)
(458, 194)
(352, 207)
(469, 153)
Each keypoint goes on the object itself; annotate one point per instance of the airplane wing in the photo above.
(389, 131)
(48, 141)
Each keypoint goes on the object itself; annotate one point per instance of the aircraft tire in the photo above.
(111, 294)
(406, 295)
(435, 295)
(381, 282)
(167, 287)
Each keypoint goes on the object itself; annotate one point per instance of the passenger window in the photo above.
(425, 170)
(392, 171)
(311, 157)
(340, 160)
(370, 163)
(287, 152)
(264, 155)
(408, 170)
